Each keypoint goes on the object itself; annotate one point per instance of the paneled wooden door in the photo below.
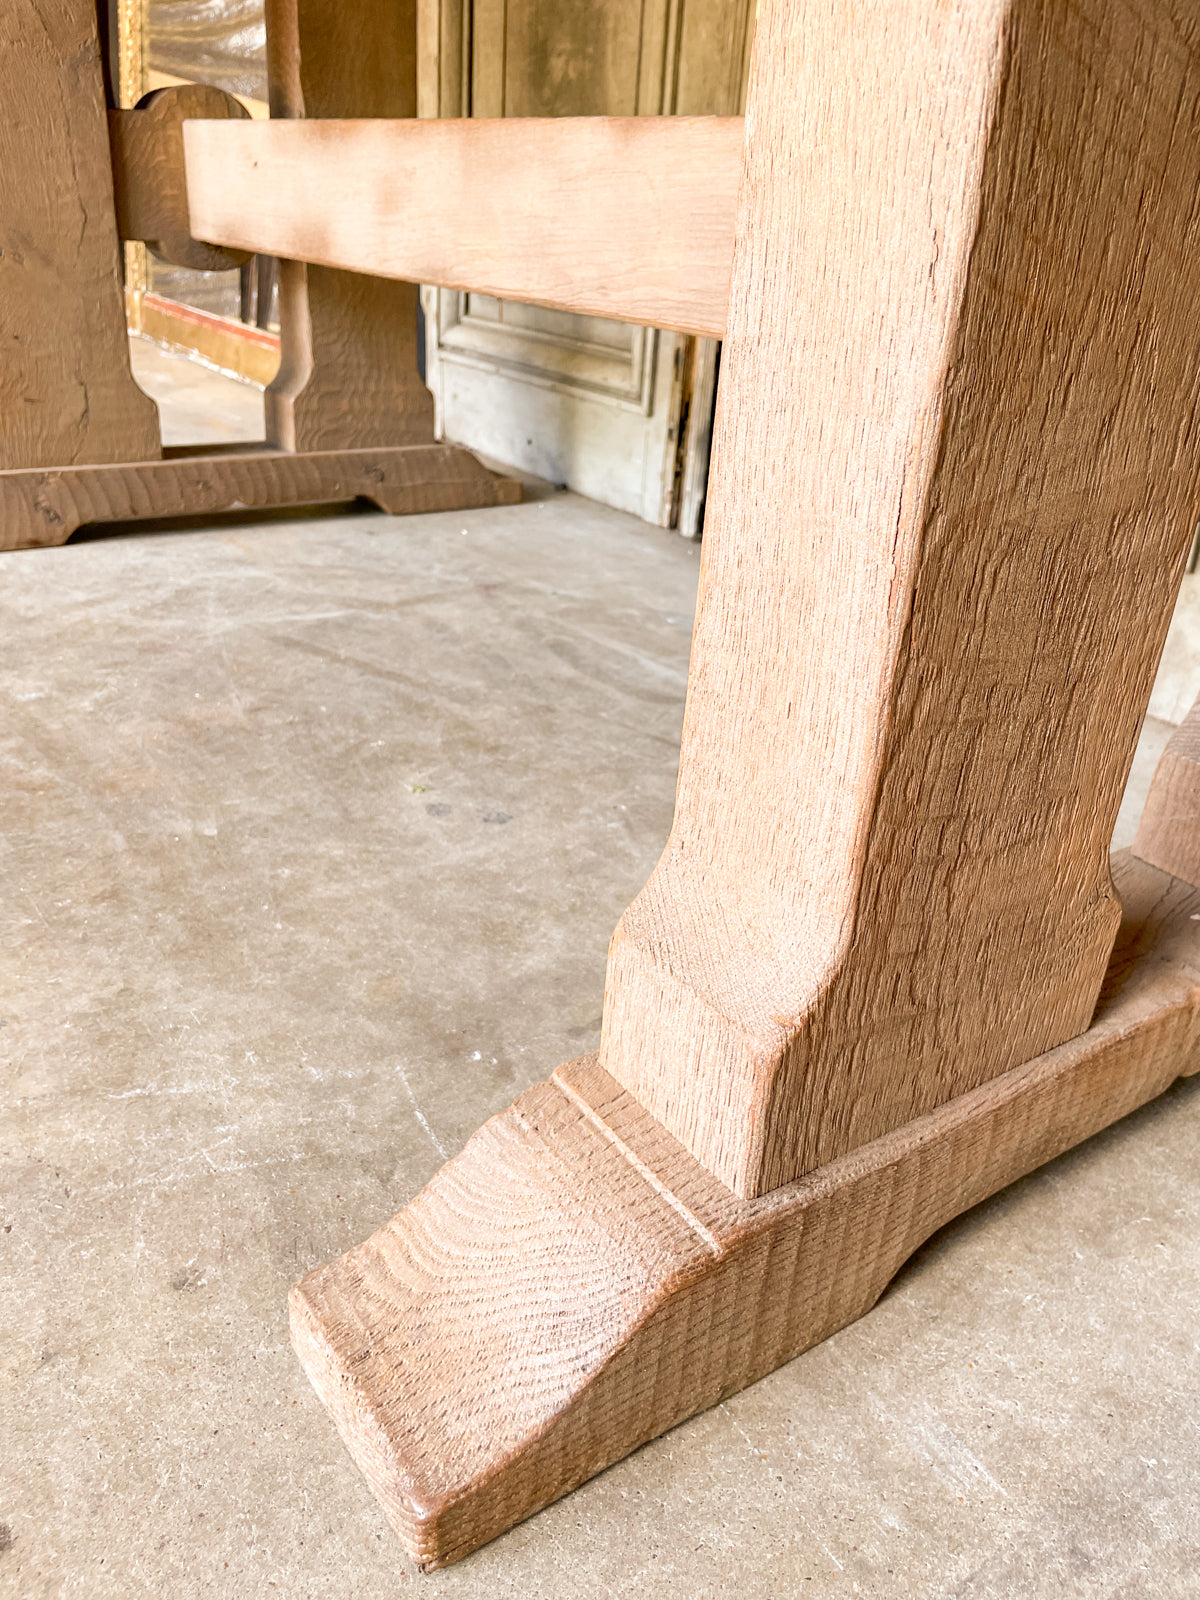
(622, 414)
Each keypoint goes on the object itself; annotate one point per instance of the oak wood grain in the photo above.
(348, 374)
(575, 1283)
(45, 506)
(953, 485)
(149, 182)
(884, 967)
(79, 440)
(66, 390)
(1168, 833)
(625, 217)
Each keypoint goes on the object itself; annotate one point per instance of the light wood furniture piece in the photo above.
(79, 441)
(623, 217)
(885, 965)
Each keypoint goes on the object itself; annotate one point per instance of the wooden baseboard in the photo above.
(242, 351)
(574, 1283)
(44, 506)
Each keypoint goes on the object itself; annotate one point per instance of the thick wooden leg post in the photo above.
(575, 1283)
(67, 394)
(955, 480)
(873, 978)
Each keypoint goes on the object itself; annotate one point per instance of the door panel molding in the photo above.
(638, 434)
(579, 365)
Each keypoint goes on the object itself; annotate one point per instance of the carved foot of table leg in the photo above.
(574, 1283)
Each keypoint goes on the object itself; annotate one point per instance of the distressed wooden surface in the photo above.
(44, 507)
(149, 182)
(348, 371)
(575, 1283)
(625, 217)
(953, 486)
(866, 987)
(66, 391)
(1168, 834)
(79, 441)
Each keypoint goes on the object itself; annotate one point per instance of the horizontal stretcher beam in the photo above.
(623, 217)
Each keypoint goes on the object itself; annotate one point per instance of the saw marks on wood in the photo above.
(149, 182)
(45, 507)
(954, 482)
(574, 1283)
(348, 375)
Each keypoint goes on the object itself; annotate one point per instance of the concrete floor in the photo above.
(196, 403)
(314, 834)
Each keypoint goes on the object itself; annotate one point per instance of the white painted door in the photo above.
(620, 413)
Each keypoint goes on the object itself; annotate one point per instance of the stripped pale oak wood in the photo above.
(574, 1283)
(953, 487)
(1168, 834)
(348, 369)
(66, 390)
(149, 185)
(956, 457)
(625, 217)
(45, 506)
